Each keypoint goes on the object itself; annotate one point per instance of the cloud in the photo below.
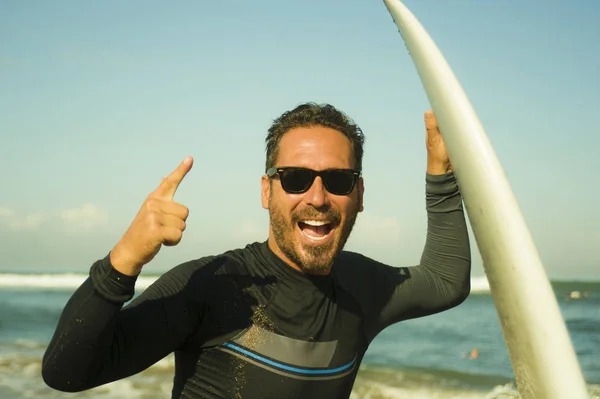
(250, 231)
(10, 219)
(380, 237)
(6, 212)
(27, 222)
(374, 228)
(85, 217)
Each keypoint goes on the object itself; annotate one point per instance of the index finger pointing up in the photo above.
(169, 185)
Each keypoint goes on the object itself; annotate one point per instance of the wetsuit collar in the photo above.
(281, 268)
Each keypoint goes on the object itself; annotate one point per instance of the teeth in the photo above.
(315, 222)
(314, 238)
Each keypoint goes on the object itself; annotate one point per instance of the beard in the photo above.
(311, 259)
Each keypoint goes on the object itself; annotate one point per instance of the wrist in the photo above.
(120, 263)
(438, 168)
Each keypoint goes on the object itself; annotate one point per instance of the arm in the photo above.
(442, 279)
(98, 340)
(388, 294)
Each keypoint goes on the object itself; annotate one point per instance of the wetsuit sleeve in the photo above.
(441, 281)
(99, 340)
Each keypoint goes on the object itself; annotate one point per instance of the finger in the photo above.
(171, 236)
(169, 185)
(431, 123)
(433, 135)
(175, 209)
(172, 221)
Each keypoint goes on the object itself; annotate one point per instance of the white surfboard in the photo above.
(541, 352)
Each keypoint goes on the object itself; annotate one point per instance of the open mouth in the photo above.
(316, 230)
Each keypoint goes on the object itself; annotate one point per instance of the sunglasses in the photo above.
(298, 180)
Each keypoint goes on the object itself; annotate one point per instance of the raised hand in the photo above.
(159, 221)
(438, 162)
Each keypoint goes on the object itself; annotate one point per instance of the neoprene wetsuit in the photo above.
(244, 324)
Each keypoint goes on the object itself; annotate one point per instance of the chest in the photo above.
(303, 329)
(309, 342)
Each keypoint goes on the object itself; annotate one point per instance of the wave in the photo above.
(382, 382)
(57, 281)
(479, 284)
(20, 378)
(74, 280)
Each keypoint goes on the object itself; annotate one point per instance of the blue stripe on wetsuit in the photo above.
(286, 367)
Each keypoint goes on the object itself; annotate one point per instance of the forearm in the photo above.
(82, 342)
(446, 258)
(96, 341)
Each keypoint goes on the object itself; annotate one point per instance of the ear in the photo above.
(265, 191)
(361, 191)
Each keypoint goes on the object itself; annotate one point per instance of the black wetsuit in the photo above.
(246, 325)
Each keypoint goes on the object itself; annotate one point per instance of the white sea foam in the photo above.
(375, 390)
(58, 281)
(20, 378)
(366, 389)
(479, 284)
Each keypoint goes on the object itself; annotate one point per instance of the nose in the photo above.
(317, 195)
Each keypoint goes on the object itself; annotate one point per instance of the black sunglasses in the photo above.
(298, 180)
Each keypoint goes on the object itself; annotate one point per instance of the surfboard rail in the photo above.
(541, 352)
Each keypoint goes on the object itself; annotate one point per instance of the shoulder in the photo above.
(367, 279)
(352, 265)
(201, 272)
(233, 260)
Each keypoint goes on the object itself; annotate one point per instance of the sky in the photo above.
(100, 100)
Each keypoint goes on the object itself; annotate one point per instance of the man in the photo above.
(291, 317)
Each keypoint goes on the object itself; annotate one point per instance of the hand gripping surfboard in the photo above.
(540, 349)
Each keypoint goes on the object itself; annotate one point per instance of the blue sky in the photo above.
(101, 100)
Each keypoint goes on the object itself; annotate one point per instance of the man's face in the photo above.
(291, 236)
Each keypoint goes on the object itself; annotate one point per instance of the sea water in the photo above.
(457, 354)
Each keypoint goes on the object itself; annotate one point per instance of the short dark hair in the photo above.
(311, 114)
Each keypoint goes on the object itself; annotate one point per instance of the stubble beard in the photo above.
(311, 259)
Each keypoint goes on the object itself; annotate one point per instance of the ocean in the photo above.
(458, 354)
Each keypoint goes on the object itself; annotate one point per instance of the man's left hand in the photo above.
(438, 162)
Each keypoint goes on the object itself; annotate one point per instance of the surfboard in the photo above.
(538, 343)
